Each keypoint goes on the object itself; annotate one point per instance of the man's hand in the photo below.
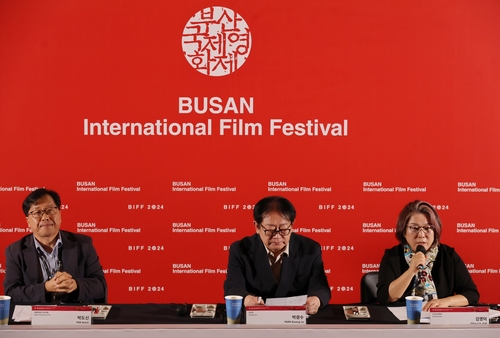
(251, 300)
(62, 282)
(312, 305)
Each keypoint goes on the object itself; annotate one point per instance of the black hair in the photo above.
(274, 203)
(36, 195)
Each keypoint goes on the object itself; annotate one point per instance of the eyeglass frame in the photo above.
(48, 211)
(413, 229)
(277, 231)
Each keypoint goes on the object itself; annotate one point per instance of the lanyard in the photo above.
(46, 265)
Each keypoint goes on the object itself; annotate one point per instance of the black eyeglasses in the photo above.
(39, 213)
(274, 232)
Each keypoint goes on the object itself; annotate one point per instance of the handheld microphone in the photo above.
(420, 248)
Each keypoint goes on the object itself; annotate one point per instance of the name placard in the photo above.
(460, 315)
(276, 315)
(61, 315)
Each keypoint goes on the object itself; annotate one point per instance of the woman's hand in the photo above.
(417, 259)
(456, 300)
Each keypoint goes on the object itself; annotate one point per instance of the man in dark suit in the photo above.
(52, 265)
(275, 262)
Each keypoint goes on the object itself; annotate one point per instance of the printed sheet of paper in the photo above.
(287, 301)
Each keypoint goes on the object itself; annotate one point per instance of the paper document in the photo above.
(494, 313)
(400, 313)
(287, 301)
(22, 313)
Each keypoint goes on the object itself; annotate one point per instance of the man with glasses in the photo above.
(423, 266)
(275, 262)
(52, 265)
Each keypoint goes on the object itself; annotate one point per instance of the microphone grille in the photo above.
(421, 248)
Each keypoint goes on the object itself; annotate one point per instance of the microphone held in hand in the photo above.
(420, 248)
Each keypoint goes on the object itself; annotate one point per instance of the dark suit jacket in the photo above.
(449, 273)
(24, 279)
(303, 273)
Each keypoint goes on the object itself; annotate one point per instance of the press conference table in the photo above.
(161, 320)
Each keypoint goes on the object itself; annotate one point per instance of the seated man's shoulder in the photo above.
(75, 237)
(305, 245)
(306, 240)
(246, 243)
(20, 243)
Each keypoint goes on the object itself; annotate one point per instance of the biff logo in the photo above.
(216, 41)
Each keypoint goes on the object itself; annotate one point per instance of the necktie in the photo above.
(276, 266)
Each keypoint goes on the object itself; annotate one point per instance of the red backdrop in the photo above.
(411, 87)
